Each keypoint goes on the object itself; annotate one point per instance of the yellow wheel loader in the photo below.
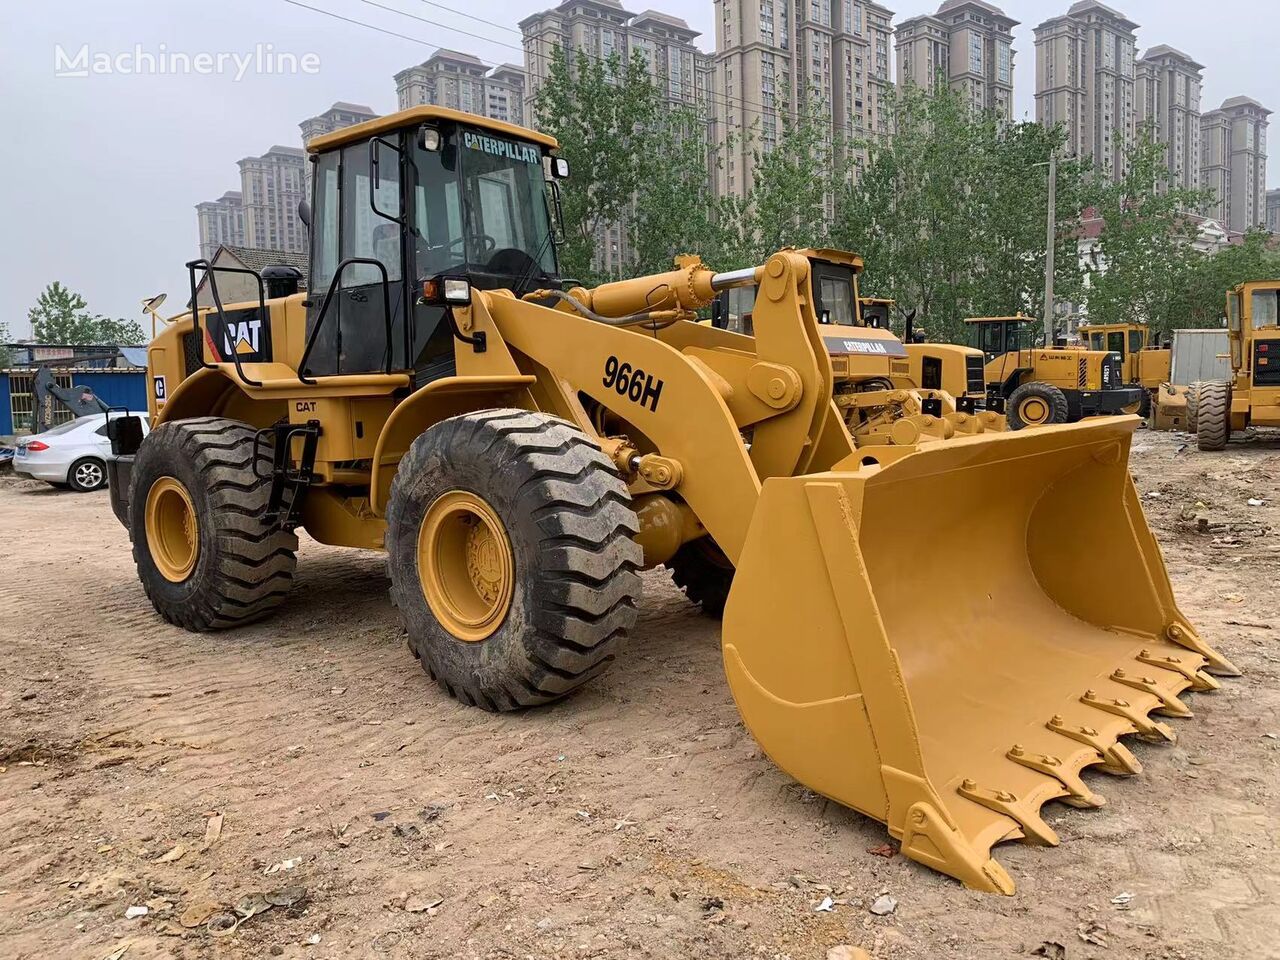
(1142, 364)
(1251, 398)
(520, 447)
(1038, 384)
(888, 391)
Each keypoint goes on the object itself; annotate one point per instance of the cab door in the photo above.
(358, 290)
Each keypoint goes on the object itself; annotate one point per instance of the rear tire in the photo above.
(207, 555)
(704, 573)
(512, 558)
(1213, 415)
(1193, 405)
(1037, 404)
(87, 474)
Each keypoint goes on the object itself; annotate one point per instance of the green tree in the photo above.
(62, 316)
(950, 212)
(603, 113)
(1143, 262)
(6, 355)
(792, 179)
(1203, 300)
(675, 208)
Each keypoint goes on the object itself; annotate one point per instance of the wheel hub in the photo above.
(1034, 410)
(465, 565)
(173, 532)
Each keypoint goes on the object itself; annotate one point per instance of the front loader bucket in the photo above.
(946, 642)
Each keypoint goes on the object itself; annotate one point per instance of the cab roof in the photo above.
(425, 113)
(1016, 318)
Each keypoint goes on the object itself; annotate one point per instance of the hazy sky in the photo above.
(100, 175)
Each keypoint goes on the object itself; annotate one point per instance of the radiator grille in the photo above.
(975, 377)
(191, 354)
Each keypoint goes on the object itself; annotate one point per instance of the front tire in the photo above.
(512, 558)
(87, 474)
(207, 555)
(1035, 404)
(1213, 415)
(1193, 405)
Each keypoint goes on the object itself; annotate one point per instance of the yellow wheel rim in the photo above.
(465, 565)
(1034, 410)
(173, 533)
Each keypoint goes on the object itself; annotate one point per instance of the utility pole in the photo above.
(1050, 238)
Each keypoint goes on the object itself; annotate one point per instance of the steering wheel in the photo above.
(514, 262)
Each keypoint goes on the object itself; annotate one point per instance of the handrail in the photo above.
(324, 309)
(211, 274)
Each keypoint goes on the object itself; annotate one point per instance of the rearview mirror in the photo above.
(304, 213)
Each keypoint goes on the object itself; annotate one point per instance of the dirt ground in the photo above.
(637, 819)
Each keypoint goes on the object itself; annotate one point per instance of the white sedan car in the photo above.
(72, 454)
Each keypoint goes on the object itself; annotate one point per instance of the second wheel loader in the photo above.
(520, 447)
(1041, 384)
(1251, 397)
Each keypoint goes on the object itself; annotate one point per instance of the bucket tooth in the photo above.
(1171, 705)
(1116, 757)
(1147, 728)
(1025, 813)
(1078, 793)
(1194, 672)
(1184, 636)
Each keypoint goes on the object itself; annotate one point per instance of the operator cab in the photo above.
(1253, 324)
(835, 295)
(405, 202)
(996, 336)
(1124, 339)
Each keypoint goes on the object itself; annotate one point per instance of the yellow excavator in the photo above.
(520, 446)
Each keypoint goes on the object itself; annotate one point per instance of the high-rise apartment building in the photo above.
(464, 82)
(1168, 102)
(1233, 162)
(337, 117)
(221, 223)
(1273, 211)
(271, 187)
(1085, 80)
(601, 29)
(967, 44)
(779, 58)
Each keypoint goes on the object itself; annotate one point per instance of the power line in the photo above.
(725, 100)
(490, 23)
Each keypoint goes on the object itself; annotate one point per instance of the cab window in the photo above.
(1115, 342)
(1095, 341)
(1135, 341)
(1263, 312)
(368, 233)
(1233, 312)
(991, 338)
(836, 296)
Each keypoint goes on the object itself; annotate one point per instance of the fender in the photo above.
(438, 400)
(211, 392)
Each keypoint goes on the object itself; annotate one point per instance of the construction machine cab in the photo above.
(996, 336)
(404, 203)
